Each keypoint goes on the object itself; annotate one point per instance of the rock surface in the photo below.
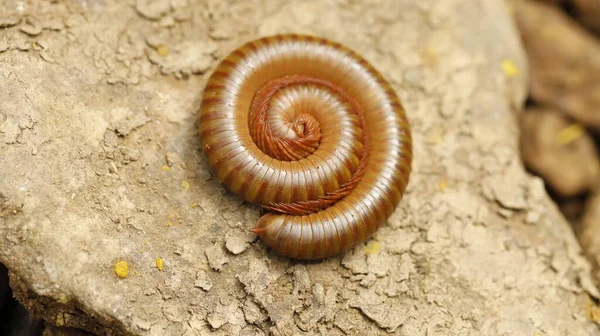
(98, 113)
(588, 231)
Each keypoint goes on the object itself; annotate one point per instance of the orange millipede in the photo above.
(310, 131)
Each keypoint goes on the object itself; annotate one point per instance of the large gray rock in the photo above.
(101, 164)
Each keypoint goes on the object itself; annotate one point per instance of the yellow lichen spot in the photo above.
(146, 242)
(60, 320)
(437, 136)
(193, 205)
(595, 314)
(443, 184)
(159, 264)
(122, 269)
(185, 184)
(537, 334)
(162, 50)
(430, 56)
(14, 211)
(372, 247)
(169, 223)
(141, 251)
(165, 168)
(570, 134)
(62, 298)
(592, 311)
(510, 68)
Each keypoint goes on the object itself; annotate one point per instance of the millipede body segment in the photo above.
(310, 131)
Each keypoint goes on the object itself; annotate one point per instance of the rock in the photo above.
(216, 257)
(203, 281)
(572, 208)
(560, 152)
(116, 163)
(187, 58)
(237, 241)
(9, 20)
(225, 314)
(322, 304)
(31, 27)
(588, 13)
(152, 10)
(588, 232)
(552, 2)
(376, 308)
(570, 79)
(252, 312)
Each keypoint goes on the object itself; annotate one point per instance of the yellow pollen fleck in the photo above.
(122, 269)
(162, 50)
(372, 247)
(570, 134)
(510, 68)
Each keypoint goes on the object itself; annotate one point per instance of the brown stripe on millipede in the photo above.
(252, 46)
(265, 104)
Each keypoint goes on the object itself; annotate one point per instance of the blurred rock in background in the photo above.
(565, 62)
(560, 131)
(559, 151)
(588, 13)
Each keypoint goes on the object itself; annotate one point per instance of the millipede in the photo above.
(313, 133)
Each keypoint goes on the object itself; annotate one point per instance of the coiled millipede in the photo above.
(310, 131)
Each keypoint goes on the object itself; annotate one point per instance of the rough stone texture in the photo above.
(588, 231)
(563, 154)
(99, 101)
(564, 59)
